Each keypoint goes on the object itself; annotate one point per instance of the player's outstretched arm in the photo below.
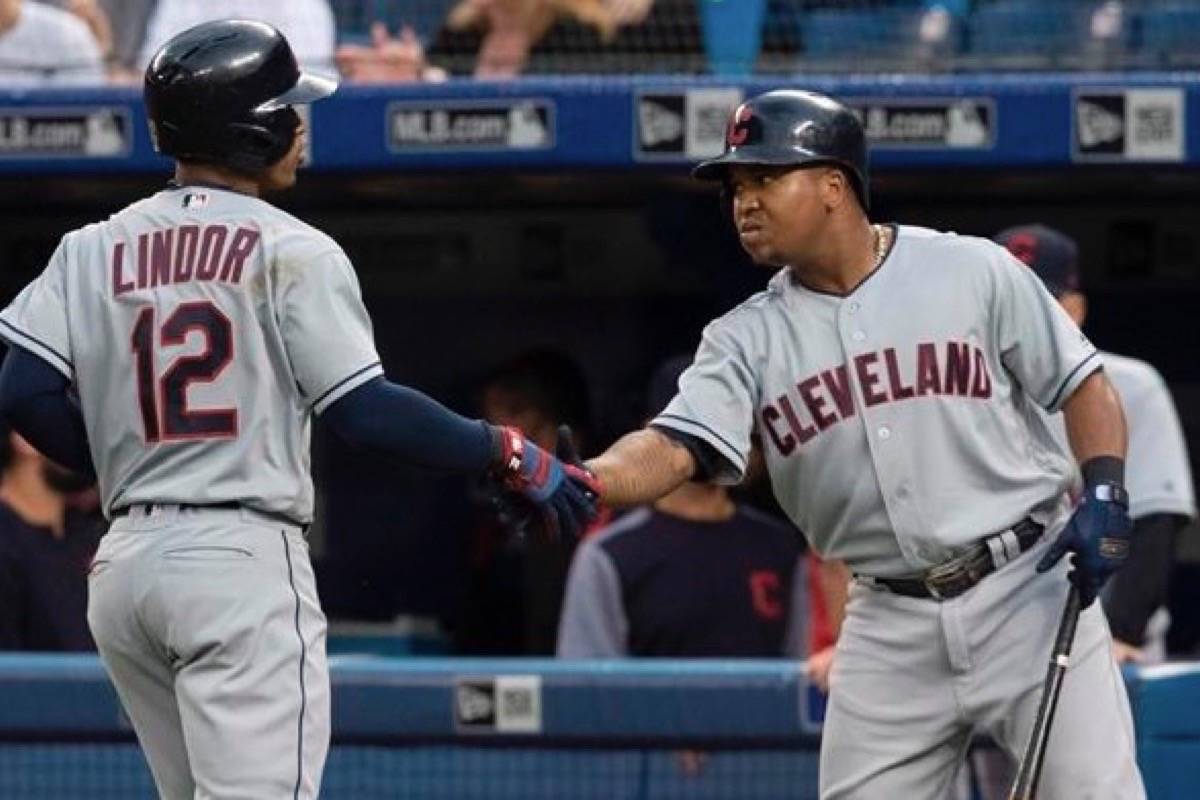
(35, 400)
(410, 425)
(641, 467)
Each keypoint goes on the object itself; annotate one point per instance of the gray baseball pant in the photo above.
(912, 678)
(208, 623)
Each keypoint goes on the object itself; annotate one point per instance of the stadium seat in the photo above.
(864, 35)
(732, 34)
(354, 17)
(1029, 32)
(1170, 34)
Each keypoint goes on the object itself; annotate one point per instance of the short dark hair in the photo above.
(549, 381)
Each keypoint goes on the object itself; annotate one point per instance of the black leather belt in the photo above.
(226, 506)
(962, 572)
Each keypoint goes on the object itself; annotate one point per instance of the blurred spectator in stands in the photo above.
(386, 59)
(940, 30)
(513, 27)
(517, 575)
(95, 17)
(124, 51)
(693, 575)
(307, 24)
(46, 544)
(628, 12)
(1161, 493)
(40, 44)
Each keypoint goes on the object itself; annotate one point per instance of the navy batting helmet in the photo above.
(793, 127)
(222, 92)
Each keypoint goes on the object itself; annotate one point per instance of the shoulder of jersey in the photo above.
(947, 243)
(288, 229)
(759, 300)
(951, 254)
(281, 226)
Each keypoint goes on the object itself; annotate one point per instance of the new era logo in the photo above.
(1099, 125)
(659, 124)
(502, 704)
(474, 704)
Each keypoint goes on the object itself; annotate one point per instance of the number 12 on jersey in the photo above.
(163, 399)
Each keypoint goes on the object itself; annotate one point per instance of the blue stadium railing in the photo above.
(988, 121)
(523, 729)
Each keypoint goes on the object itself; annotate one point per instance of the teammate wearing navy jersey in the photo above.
(696, 574)
(46, 544)
(178, 351)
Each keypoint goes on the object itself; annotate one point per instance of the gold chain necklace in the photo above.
(881, 238)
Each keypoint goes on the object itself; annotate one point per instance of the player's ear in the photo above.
(835, 189)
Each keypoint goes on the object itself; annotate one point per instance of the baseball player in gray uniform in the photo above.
(892, 372)
(1162, 497)
(178, 351)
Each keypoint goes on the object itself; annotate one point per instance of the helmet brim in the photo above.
(715, 169)
(309, 88)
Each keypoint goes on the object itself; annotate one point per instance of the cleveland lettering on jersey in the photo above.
(957, 369)
(181, 254)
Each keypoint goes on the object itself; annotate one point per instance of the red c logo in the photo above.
(1024, 247)
(739, 127)
(765, 594)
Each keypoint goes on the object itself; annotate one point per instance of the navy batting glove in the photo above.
(564, 494)
(1098, 537)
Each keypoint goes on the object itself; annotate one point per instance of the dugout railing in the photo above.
(524, 729)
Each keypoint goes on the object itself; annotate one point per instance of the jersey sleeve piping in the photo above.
(37, 347)
(346, 384)
(719, 443)
(1074, 378)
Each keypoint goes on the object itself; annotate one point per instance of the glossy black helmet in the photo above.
(222, 92)
(789, 126)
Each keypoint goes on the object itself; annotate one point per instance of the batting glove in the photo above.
(565, 494)
(1098, 537)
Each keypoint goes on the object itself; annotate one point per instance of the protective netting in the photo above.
(78, 771)
(785, 36)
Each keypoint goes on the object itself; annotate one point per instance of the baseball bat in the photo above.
(1025, 784)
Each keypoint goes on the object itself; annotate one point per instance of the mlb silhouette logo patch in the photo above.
(195, 200)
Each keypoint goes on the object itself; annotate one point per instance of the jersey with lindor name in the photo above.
(896, 421)
(201, 328)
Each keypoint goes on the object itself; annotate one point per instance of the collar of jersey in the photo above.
(795, 280)
(174, 185)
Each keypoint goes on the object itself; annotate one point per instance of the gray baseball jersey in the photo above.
(898, 426)
(1157, 472)
(896, 421)
(202, 328)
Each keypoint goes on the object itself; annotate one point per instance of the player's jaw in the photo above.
(282, 174)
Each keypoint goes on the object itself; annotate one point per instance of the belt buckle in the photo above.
(952, 584)
(951, 578)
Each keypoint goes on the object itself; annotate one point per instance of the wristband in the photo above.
(1103, 469)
